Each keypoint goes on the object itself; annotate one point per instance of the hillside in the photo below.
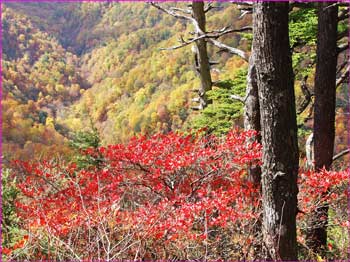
(80, 65)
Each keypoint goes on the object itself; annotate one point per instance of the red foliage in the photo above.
(320, 187)
(162, 185)
(163, 188)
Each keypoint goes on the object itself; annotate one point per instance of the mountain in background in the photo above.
(69, 67)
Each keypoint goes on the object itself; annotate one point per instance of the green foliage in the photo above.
(303, 33)
(11, 230)
(83, 141)
(303, 26)
(338, 237)
(219, 116)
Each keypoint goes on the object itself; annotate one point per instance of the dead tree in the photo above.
(196, 14)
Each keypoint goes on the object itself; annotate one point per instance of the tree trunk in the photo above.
(279, 130)
(324, 115)
(252, 114)
(202, 60)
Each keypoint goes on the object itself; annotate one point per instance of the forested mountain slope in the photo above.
(78, 65)
(39, 78)
(84, 64)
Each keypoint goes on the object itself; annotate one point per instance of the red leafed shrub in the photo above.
(166, 196)
(322, 186)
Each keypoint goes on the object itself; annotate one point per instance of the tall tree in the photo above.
(275, 82)
(196, 15)
(201, 55)
(324, 114)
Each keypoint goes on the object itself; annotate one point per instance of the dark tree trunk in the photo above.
(325, 85)
(324, 115)
(252, 114)
(202, 63)
(279, 130)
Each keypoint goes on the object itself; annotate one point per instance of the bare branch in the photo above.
(197, 108)
(229, 49)
(171, 12)
(307, 94)
(186, 11)
(342, 66)
(227, 30)
(202, 35)
(184, 43)
(209, 37)
(239, 98)
(242, 3)
(196, 99)
(342, 153)
(244, 7)
(209, 7)
(343, 77)
(244, 13)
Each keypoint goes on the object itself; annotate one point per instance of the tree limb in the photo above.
(227, 30)
(239, 98)
(209, 7)
(186, 11)
(343, 77)
(229, 49)
(244, 7)
(184, 43)
(200, 34)
(171, 12)
(342, 66)
(243, 3)
(244, 13)
(307, 94)
(342, 153)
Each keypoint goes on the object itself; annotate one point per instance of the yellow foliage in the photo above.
(50, 122)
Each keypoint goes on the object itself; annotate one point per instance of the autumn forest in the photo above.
(175, 131)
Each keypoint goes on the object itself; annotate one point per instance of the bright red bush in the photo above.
(141, 180)
(167, 189)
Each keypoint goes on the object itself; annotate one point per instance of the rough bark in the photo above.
(324, 115)
(279, 129)
(325, 85)
(252, 113)
(202, 58)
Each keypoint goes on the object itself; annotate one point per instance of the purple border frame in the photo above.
(138, 1)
